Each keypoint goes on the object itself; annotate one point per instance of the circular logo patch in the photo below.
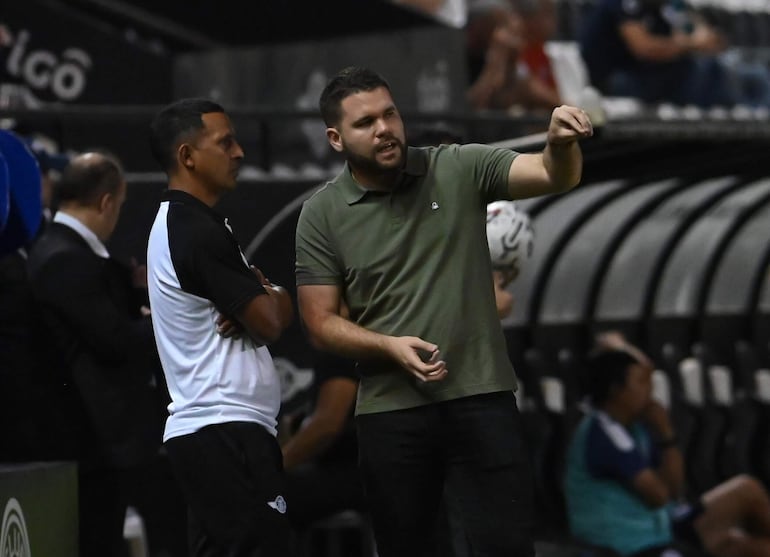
(14, 541)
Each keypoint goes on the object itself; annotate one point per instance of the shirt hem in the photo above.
(454, 394)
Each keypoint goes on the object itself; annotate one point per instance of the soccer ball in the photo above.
(509, 235)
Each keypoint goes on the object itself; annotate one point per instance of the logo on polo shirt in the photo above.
(14, 540)
(279, 504)
(434, 206)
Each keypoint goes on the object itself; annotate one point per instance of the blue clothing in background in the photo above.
(602, 508)
(700, 80)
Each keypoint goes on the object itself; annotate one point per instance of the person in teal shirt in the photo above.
(624, 474)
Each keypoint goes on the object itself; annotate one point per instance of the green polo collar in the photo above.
(416, 165)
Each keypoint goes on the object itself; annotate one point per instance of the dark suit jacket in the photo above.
(100, 347)
(19, 426)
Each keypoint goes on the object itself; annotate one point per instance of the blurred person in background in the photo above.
(99, 344)
(664, 51)
(509, 68)
(494, 39)
(52, 163)
(320, 449)
(25, 435)
(625, 481)
(539, 22)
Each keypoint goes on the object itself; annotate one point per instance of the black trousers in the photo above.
(475, 445)
(319, 490)
(232, 477)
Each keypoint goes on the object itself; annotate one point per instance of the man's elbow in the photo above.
(266, 335)
(268, 331)
(566, 183)
(316, 340)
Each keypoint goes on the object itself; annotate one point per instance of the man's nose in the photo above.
(381, 126)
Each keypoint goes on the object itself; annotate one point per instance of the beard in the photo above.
(371, 167)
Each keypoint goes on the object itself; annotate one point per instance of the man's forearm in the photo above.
(671, 470)
(564, 164)
(342, 336)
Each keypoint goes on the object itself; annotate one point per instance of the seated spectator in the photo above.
(320, 457)
(540, 90)
(624, 478)
(494, 38)
(508, 65)
(657, 51)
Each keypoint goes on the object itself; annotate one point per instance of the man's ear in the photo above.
(104, 201)
(335, 140)
(184, 155)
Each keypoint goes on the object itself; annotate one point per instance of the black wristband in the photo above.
(668, 443)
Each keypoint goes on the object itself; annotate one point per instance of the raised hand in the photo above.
(657, 417)
(569, 124)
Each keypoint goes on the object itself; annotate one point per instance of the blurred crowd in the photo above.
(654, 51)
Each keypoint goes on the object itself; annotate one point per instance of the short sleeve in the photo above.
(489, 167)
(213, 266)
(612, 453)
(316, 261)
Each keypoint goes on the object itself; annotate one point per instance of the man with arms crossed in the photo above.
(212, 317)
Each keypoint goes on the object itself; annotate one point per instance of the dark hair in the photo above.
(173, 124)
(87, 178)
(604, 370)
(348, 81)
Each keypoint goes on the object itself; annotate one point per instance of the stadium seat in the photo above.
(736, 451)
(703, 470)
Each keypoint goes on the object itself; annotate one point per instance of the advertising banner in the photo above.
(49, 55)
(39, 506)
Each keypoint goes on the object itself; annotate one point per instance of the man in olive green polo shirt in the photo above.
(399, 237)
